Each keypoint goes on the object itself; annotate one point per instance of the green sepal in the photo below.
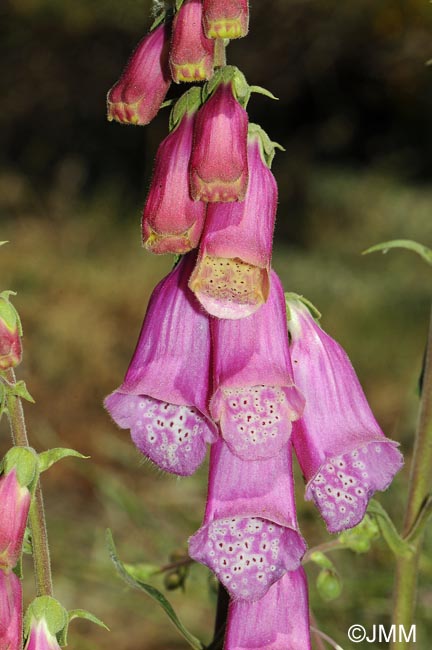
(329, 584)
(151, 591)
(8, 313)
(307, 303)
(18, 568)
(359, 538)
(51, 456)
(27, 542)
(229, 74)
(399, 546)
(189, 102)
(25, 461)
(3, 401)
(320, 559)
(49, 609)
(78, 613)
(159, 18)
(424, 252)
(178, 4)
(263, 91)
(267, 146)
(19, 389)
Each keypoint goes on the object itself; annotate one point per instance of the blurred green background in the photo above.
(354, 115)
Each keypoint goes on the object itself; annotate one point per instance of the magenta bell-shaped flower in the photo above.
(10, 612)
(218, 166)
(40, 638)
(14, 507)
(278, 621)
(232, 275)
(172, 222)
(254, 397)
(163, 399)
(342, 451)
(137, 96)
(250, 535)
(192, 53)
(226, 18)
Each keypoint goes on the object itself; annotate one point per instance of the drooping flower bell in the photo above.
(226, 18)
(138, 94)
(10, 612)
(278, 621)
(172, 222)
(254, 398)
(218, 166)
(10, 333)
(163, 399)
(232, 275)
(250, 535)
(342, 451)
(192, 53)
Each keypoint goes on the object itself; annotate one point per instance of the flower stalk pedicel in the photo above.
(163, 399)
(342, 451)
(138, 94)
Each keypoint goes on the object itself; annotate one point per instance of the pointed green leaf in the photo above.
(51, 456)
(153, 592)
(400, 547)
(262, 91)
(20, 390)
(424, 252)
(141, 571)
(88, 616)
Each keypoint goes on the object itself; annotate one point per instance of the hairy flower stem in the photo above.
(41, 555)
(220, 53)
(420, 485)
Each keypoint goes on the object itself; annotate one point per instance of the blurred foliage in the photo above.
(354, 114)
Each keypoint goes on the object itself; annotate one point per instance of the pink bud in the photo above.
(232, 276)
(226, 18)
(10, 333)
(218, 167)
(140, 91)
(192, 53)
(278, 621)
(10, 612)
(343, 454)
(254, 397)
(14, 507)
(172, 221)
(40, 638)
(250, 535)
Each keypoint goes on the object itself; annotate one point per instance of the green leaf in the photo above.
(424, 252)
(20, 390)
(262, 91)
(359, 538)
(141, 571)
(51, 456)
(151, 591)
(400, 547)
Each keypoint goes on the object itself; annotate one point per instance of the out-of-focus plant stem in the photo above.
(41, 555)
(420, 485)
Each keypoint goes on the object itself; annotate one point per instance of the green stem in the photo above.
(219, 53)
(420, 484)
(41, 555)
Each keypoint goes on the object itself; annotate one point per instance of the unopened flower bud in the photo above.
(10, 612)
(218, 167)
(10, 334)
(329, 584)
(45, 618)
(140, 91)
(192, 53)
(173, 580)
(225, 18)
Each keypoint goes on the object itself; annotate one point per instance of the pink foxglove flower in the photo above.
(10, 612)
(278, 621)
(163, 399)
(342, 451)
(218, 167)
(172, 221)
(232, 275)
(254, 398)
(192, 53)
(226, 18)
(10, 334)
(250, 535)
(14, 507)
(140, 91)
(40, 638)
